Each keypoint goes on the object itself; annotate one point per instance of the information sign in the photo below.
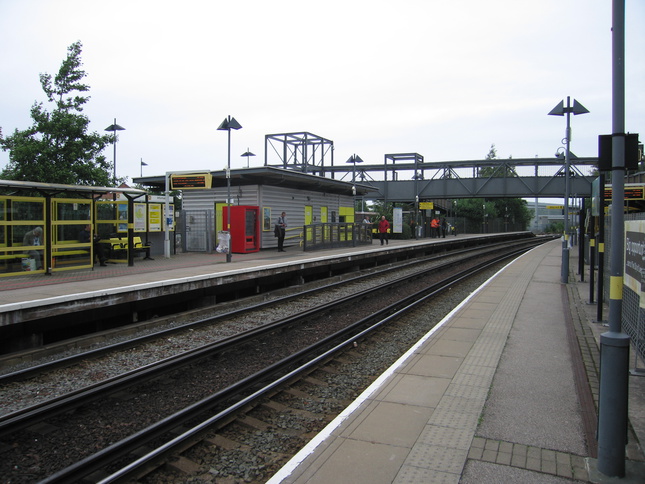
(188, 182)
(631, 192)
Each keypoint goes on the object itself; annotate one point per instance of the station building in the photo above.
(258, 196)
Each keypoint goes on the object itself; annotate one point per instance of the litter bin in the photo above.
(28, 264)
(224, 241)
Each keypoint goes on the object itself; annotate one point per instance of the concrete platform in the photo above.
(197, 276)
(488, 396)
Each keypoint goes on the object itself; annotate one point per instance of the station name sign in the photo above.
(189, 182)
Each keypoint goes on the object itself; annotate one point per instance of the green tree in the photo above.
(58, 147)
(513, 210)
(501, 169)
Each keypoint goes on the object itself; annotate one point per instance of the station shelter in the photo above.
(41, 224)
(258, 196)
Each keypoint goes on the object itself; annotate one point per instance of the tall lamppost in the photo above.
(247, 154)
(228, 124)
(114, 128)
(354, 159)
(561, 110)
(417, 176)
(613, 398)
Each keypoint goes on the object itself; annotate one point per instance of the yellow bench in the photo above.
(119, 247)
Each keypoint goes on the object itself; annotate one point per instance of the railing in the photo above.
(332, 235)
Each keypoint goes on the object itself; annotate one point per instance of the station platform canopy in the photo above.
(272, 176)
(13, 187)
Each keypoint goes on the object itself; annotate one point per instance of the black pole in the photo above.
(581, 242)
(601, 250)
(592, 258)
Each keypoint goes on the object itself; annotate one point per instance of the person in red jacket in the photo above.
(383, 227)
(434, 227)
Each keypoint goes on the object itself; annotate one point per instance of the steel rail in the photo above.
(26, 417)
(139, 340)
(348, 336)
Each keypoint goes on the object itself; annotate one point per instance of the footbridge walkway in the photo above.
(404, 174)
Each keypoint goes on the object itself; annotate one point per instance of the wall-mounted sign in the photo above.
(426, 205)
(188, 182)
(633, 192)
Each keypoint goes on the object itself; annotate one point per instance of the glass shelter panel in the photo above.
(72, 246)
(22, 234)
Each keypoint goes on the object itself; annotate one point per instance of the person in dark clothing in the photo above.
(281, 230)
(85, 236)
(31, 238)
(444, 227)
(413, 228)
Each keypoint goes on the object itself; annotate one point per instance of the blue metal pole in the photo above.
(565, 242)
(614, 344)
(228, 197)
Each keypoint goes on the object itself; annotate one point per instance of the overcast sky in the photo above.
(445, 79)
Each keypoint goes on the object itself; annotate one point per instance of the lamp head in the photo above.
(229, 123)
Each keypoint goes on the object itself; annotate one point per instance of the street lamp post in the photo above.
(114, 128)
(228, 124)
(613, 397)
(561, 110)
(247, 154)
(354, 159)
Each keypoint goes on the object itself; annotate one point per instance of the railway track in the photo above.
(81, 349)
(200, 383)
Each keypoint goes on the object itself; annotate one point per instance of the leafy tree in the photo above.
(58, 147)
(503, 169)
(513, 210)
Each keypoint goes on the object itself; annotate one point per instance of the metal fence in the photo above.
(195, 230)
(331, 235)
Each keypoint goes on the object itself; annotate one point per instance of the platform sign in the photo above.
(154, 217)
(191, 182)
(397, 220)
(635, 258)
(555, 207)
(426, 205)
(140, 217)
(632, 192)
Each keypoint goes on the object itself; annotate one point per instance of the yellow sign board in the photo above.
(183, 182)
(555, 207)
(426, 205)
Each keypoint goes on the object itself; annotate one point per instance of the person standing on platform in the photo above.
(85, 236)
(281, 231)
(444, 227)
(413, 228)
(434, 227)
(383, 227)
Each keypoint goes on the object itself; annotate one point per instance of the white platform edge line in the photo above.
(166, 282)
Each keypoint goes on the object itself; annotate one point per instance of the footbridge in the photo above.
(404, 176)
